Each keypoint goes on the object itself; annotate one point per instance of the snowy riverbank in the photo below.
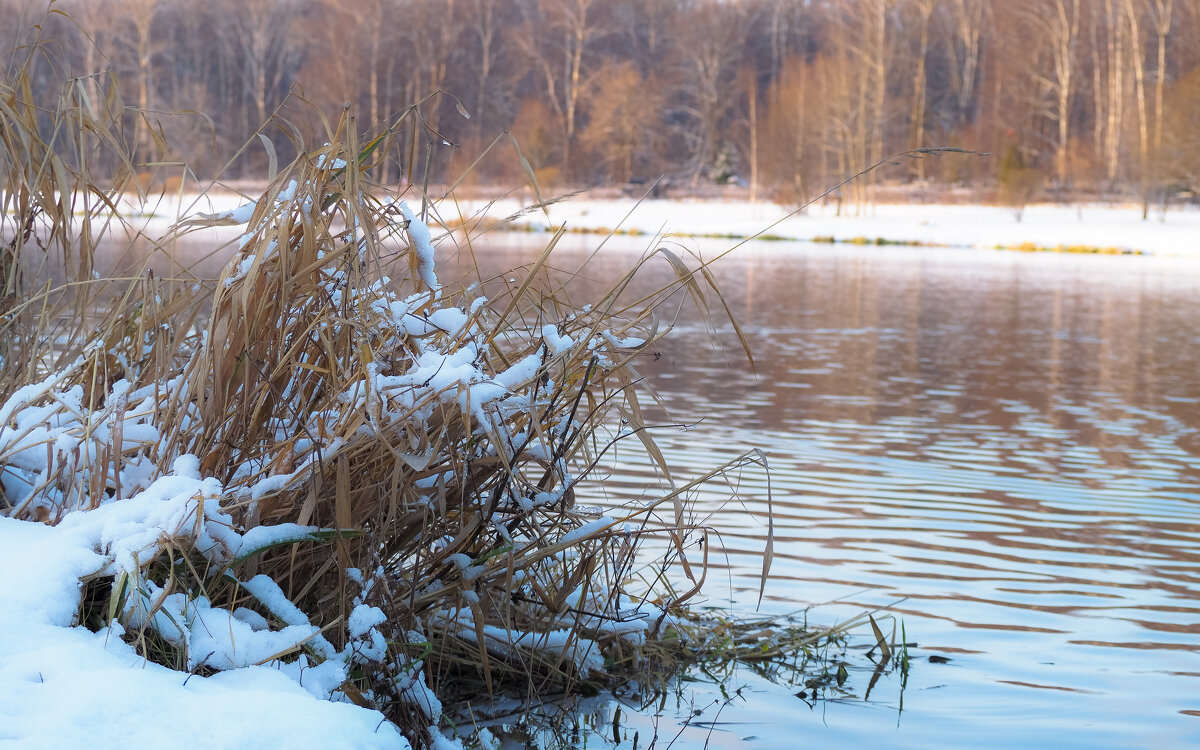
(1097, 227)
(69, 686)
(1101, 227)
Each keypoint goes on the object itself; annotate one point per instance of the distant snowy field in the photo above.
(1045, 226)
(969, 226)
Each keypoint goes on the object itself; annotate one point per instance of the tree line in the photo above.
(784, 96)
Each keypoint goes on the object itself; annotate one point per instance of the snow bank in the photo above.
(62, 686)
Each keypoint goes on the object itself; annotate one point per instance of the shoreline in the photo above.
(1078, 228)
(1090, 228)
(1024, 247)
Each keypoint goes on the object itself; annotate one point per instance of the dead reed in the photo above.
(376, 465)
(362, 473)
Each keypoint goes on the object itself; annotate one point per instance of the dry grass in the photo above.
(429, 441)
(374, 435)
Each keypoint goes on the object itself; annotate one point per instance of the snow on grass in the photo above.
(64, 686)
(68, 681)
(185, 649)
(422, 246)
(587, 530)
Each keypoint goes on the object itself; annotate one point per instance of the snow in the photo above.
(240, 215)
(586, 530)
(556, 342)
(135, 530)
(521, 372)
(626, 342)
(251, 618)
(64, 686)
(412, 688)
(564, 643)
(422, 246)
(1041, 225)
(288, 193)
(47, 589)
(215, 638)
(243, 267)
(451, 320)
(364, 618)
(262, 537)
(1098, 225)
(334, 164)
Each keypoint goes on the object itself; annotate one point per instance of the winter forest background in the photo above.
(783, 96)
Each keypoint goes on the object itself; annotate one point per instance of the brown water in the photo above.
(1000, 449)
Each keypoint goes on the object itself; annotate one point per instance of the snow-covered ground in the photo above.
(1045, 226)
(64, 686)
(1042, 226)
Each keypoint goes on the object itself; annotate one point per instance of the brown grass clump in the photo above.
(329, 444)
(328, 441)
(449, 430)
(51, 216)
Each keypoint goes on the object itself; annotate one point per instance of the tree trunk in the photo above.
(925, 9)
(1139, 78)
(753, 105)
(1162, 27)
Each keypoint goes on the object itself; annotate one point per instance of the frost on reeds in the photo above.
(333, 462)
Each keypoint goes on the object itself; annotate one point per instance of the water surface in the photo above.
(1002, 450)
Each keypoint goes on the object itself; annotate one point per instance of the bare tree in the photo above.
(789, 143)
(1053, 26)
(1137, 57)
(1161, 14)
(431, 33)
(923, 10)
(485, 24)
(256, 35)
(966, 22)
(621, 128)
(646, 26)
(709, 44)
(1085, 85)
(749, 87)
(556, 37)
(1109, 63)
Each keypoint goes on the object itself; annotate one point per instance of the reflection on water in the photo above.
(1003, 450)
(1006, 444)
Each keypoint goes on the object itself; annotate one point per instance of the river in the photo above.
(1001, 450)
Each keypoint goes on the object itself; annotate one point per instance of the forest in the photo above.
(783, 97)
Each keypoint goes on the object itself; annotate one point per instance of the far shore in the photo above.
(1095, 228)
(1084, 227)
